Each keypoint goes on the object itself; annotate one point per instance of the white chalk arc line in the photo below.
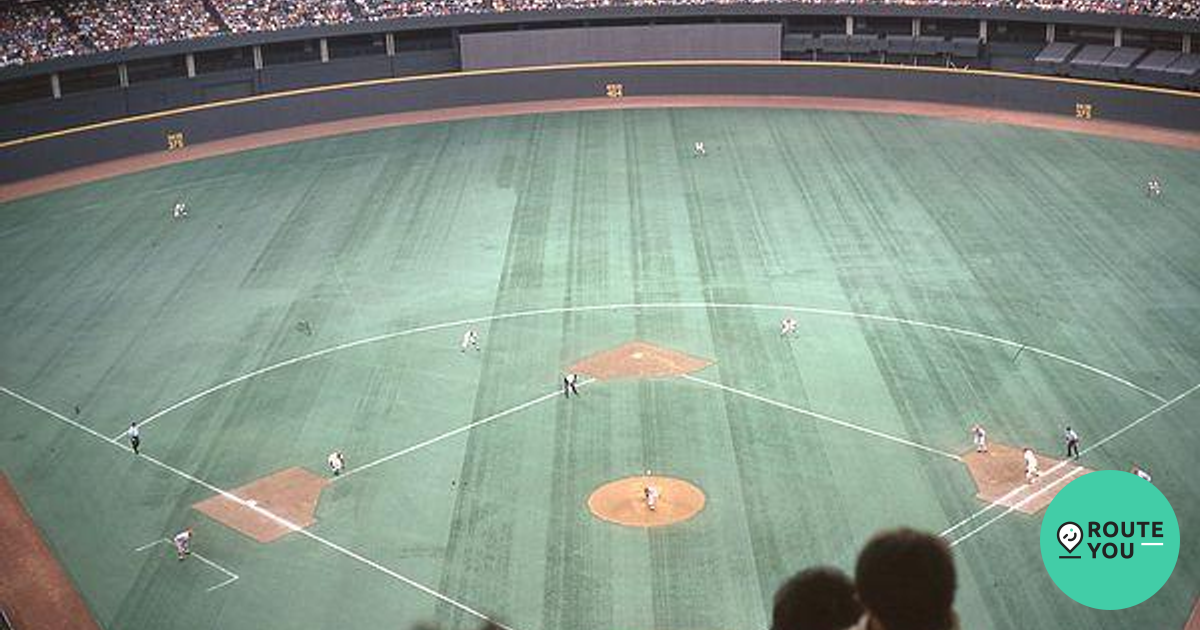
(264, 513)
(820, 416)
(635, 306)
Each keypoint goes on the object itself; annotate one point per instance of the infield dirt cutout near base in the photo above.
(638, 359)
(291, 494)
(999, 477)
(35, 591)
(624, 501)
(1193, 622)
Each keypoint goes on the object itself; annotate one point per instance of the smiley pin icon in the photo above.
(1069, 536)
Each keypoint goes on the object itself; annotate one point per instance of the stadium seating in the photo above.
(33, 32)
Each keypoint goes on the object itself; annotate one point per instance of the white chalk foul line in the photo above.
(230, 576)
(449, 434)
(634, 306)
(820, 416)
(262, 512)
(1105, 440)
(1016, 506)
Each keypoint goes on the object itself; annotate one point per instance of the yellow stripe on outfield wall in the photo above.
(584, 66)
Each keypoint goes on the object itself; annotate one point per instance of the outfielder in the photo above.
(179, 211)
(698, 150)
(787, 326)
(1153, 187)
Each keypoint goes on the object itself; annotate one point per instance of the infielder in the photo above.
(470, 340)
(183, 543)
(787, 326)
(698, 150)
(1072, 439)
(979, 436)
(179, 211)
(337, 463)
(1031, 466)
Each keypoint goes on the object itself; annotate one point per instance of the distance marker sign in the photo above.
(1110, 540)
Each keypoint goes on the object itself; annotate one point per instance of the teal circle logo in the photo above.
(1110, 540)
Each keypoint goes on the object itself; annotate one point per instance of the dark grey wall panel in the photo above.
(300, 75)
(542, 47)
(23, 119)
(46, 156)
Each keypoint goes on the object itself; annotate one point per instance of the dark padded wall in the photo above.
(54, 154)
(515, 49)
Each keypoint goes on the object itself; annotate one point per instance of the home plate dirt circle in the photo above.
(624, 501)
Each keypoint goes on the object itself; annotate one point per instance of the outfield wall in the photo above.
(54, 152)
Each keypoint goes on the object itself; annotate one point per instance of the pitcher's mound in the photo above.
(999, 476)
(624, 501)
(638, 359)
(291, 494)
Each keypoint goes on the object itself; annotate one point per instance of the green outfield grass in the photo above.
(535, 225)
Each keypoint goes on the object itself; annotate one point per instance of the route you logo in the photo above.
(1120, 537)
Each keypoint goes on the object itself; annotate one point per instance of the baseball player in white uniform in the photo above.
(787, 326)
(1153, 187)
(183, 543)
(179, 211)
(652, 495)
(698, 150)
(470, 340)
(1031, 466)
(979, 436)
(1141, 472)
(337, 463)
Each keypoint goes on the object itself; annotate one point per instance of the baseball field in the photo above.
(941, 273)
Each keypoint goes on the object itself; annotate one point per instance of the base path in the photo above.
(291, 494)
(35, 591)
(999, 475)
(137, 163)
(624, 501)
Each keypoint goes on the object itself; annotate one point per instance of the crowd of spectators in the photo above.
(244, 16)
(35, 32)
(116, 24)
(393, 9)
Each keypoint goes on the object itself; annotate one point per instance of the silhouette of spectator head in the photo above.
(906, 581)
(819, 598)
